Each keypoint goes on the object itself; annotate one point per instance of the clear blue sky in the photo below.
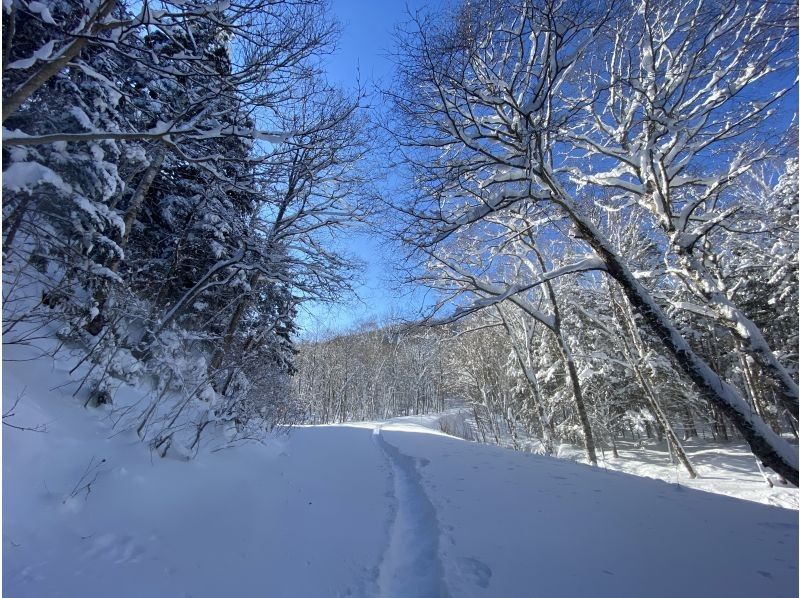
(362, 55)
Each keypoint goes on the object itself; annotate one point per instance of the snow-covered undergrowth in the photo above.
(393, 509)
(166, 396)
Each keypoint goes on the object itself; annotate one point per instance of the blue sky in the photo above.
(362, 54)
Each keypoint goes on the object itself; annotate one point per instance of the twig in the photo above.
(91, 468)
(10, 413)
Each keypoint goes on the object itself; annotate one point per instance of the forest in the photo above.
(581, 330)
(602, 199)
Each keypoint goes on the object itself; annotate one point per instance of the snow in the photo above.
(412, 564)
(723, 468)
(42, 11)
(273, 138)
(391, 509)
(21, 176)
(42, 54)
(276, 520)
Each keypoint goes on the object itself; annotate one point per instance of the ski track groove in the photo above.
(412, 565)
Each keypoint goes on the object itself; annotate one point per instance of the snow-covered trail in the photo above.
(412, 565)
(306, 516)
(343, 511)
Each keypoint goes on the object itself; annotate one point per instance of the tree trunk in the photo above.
(99, 321)
(773, 451)
(577, 395)
(566, 355)
(15, 218)
(49, 69)
(533, 384)
(135, 205)
(655, 406)
(236, 317)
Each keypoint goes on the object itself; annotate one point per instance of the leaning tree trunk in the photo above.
(773, 451)
(747, 333)
(15, 218)
(49, 68)
(233, 323)
(672, 438)
(134, 207)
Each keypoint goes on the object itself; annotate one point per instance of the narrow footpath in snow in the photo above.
(412, 565)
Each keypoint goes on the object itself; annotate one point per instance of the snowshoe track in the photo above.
(411, 566)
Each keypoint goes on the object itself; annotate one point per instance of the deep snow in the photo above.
(394, 509)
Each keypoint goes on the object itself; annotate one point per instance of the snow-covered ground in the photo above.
(373, 510)
(723, 468)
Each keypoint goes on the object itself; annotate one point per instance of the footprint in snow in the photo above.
(474, 570)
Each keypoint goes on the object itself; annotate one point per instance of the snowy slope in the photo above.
(727, 468)
(365, 510)
(724, 468)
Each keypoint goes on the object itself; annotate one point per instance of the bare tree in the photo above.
(672, 126)
(483, 114)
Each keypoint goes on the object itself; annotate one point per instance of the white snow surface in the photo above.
(372, 510)
(727, 468)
